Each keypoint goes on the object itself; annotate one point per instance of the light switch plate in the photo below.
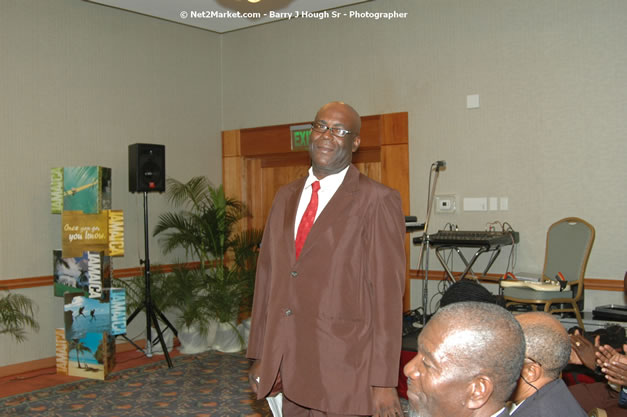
(475, 204)
(493, 204)
(504, 203)
(472, 101)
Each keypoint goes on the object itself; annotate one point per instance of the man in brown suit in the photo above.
(327, 323)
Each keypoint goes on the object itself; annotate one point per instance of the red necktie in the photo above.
(308, 219)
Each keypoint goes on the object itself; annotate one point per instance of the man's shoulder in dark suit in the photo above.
(552, 400)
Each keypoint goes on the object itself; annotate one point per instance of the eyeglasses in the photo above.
(335, 131)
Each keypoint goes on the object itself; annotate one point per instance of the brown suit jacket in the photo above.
(331, 320)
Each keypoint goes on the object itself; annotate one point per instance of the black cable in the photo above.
(529, 383)
(513, 250)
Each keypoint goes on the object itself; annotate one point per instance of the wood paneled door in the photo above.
(257, 161)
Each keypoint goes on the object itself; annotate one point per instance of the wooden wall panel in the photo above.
(286, 159)
(370, 169)
(232, 168)
(231, 143)
(275, 178)
(266, 140)
(254, 196)
(395, 171)
(367, 155)
(370, 132)
(395, 128)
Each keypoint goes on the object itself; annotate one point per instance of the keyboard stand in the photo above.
(482, 249)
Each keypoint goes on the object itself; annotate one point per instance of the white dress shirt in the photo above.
(328, 187)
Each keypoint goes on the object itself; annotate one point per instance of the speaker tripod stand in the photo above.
(148, 305)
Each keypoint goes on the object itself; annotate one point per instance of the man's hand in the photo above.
(613, 364)
(386, 403)
(253, 375)
(584, 351)
(254, 380)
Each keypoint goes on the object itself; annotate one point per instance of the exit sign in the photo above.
(300, 137)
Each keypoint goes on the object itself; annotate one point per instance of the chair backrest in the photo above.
(568, 245)
(597, 412)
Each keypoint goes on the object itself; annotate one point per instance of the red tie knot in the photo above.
(315, 186)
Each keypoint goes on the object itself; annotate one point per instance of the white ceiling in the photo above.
(182, 11)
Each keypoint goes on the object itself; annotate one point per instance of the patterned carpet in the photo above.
(203, 385)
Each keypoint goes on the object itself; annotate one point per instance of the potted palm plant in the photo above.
(17, 312)
(205, 227)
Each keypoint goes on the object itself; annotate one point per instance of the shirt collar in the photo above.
(498, 412)
(330, 181)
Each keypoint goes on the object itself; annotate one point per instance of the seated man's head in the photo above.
(468, 361)
(467, 290)
(547, 352)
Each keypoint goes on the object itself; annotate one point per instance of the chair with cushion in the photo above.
(597, 412)
(568, 245)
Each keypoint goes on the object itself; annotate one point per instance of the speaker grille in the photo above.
(146, 168)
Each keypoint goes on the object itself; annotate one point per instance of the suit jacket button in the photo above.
(288, 312)
(294, 274)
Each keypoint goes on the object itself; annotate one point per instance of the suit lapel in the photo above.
(339, 203)
(290, 216)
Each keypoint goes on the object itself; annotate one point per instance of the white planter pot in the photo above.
(212, 329)
(192, 341)
(227, 339)
(244, 329)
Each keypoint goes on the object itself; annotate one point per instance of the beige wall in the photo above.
(550, 132)
(79, 83)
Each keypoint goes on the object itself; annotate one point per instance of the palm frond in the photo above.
(17, 312)
(191, 194)
(245, 245)
(180, 230)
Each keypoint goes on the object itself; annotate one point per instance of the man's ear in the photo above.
(356, 142)
(479, 391)
(531, 372)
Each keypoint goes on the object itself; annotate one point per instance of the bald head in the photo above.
(547, 341)
(353, 118)
(484, 338)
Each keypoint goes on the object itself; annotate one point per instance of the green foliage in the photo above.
(136, 290)
(245, 251)
(17, 312)
(205, 228)
(186, 292)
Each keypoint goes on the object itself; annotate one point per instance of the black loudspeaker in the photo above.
(146, 168)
